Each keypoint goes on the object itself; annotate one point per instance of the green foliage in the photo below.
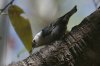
(21, 26)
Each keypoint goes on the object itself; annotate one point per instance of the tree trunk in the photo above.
(80, 47)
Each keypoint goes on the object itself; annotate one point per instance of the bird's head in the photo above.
(37, 40)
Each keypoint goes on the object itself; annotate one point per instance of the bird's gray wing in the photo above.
(47, 30)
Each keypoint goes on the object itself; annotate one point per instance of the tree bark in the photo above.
(80, 47)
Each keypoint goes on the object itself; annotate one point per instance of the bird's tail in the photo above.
(67, 16)
(64, 19)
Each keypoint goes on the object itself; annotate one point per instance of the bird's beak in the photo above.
(33, 44)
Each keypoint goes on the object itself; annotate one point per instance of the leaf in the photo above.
(21, 26)
(0, 37)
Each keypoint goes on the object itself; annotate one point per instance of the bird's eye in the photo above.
(34, 41)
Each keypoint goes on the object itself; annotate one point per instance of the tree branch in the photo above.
(72, 48)
(2, 10)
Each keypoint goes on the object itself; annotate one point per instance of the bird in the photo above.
(54, 31)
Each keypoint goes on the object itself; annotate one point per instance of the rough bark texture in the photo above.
(80, 47)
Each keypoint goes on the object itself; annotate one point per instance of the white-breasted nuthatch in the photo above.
(54, 31)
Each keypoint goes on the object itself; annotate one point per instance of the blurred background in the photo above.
(40, 14)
